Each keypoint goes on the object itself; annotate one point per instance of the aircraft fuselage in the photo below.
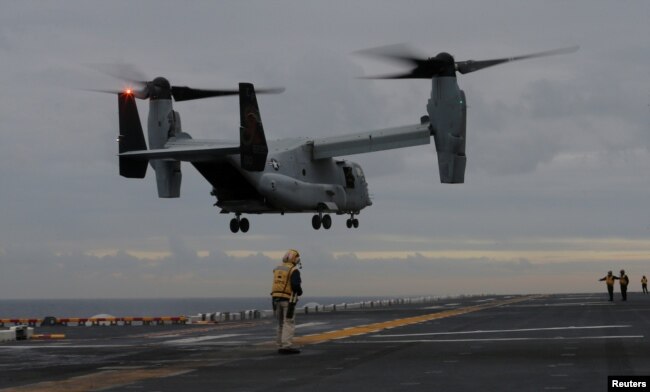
(293, 182)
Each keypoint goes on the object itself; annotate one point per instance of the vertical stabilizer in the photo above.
(131, 137)
(253, 148)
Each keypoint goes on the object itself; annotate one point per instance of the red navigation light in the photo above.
(128, 91)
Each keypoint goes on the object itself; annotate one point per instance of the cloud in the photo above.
(557, 148)
(29, 272)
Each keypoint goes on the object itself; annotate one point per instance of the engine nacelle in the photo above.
(447, 110)
(163, 124)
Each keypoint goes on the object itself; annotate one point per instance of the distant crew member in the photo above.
(623, 280)
(286, 289)
(609, 279)
(644, 284)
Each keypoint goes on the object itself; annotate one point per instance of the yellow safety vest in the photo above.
(623, 280)
(609, 280)
(644, 281)
(282, 281)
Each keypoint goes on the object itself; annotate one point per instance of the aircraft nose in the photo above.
(368, 198)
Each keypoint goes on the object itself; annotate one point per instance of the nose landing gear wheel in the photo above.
(352, 222)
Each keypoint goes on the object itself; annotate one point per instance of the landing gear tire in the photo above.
(234, 225)
(327, 222)
(244, 225)
(316, 222)
(352, 222)
(237, 223)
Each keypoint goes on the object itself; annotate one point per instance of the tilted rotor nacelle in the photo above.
(447, 107)
(447, 110)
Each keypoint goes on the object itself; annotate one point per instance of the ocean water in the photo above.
(158, 307)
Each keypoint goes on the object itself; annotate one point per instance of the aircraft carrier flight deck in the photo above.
(569, 342)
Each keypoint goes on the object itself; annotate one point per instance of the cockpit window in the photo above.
(349, 177)
(359, 172)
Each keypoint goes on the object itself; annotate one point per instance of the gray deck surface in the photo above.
(558, 342)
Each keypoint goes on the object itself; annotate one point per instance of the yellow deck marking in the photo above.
(46, 336)
(376, 327)
(101, 380)
(107, 379)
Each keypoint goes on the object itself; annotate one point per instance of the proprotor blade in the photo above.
(398, 52)
(443, 64)
(182, 93)
(470, 65)
(136, 93)
(127, 72)
(423, 68)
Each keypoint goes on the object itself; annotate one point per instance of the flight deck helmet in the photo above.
(292, 256)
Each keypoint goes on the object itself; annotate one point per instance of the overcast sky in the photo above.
(557, 182)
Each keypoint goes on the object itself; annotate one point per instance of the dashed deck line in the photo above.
(376, 327)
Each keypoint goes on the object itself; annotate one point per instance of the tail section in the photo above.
(131, 137)
(253, 147)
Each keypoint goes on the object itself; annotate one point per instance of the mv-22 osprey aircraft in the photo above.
(298, 175)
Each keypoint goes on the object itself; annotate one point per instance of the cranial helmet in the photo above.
(292, 256)
(622, 272)
(609, 272)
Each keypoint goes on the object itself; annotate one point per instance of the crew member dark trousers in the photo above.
(645, 288)
(610, 290)
(624, 292)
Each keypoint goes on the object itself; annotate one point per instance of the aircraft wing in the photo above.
(382, 139)
(189, 150)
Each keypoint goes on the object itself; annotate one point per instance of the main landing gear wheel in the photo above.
(352, 222)
(238, 223)
(315, 222)
(327, 222)
(244, 225)
(234, 225)
(321, 220)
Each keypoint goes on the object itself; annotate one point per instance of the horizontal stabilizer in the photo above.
(183, 154)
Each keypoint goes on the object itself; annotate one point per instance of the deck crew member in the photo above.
(623, 280)
(609, 279)
(644, 284)
(285, 292)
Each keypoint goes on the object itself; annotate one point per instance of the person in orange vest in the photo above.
(623, 280)
(287, 287)
(644, 284)
(609, 279)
